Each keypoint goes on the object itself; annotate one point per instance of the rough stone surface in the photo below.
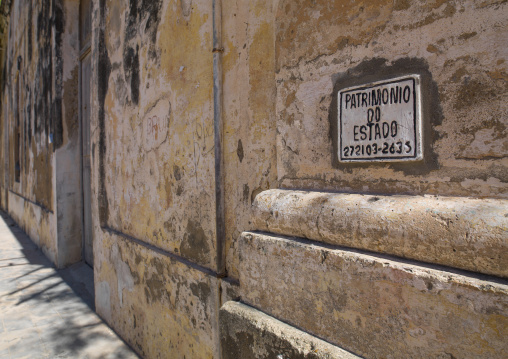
(229, 290)
(39, 224)
(249, 113)
(458, 49)
(465, 233)
(160, 306)
(402, 310)
(155, 139)
(153, 156)
(41, 126)
(248, 333)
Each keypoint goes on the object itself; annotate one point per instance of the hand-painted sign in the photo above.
(381, 121)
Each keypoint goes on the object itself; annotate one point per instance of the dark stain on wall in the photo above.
(195, 243)
(239, 150)
(29, 32)
(152, 10)
(131, 69)
(177, 173)
(202, 291)
(50, 24)
(57, 118)
(103, 72)
(141, 12)
(44, 73)
(246, 193)
(132, 18)
(41, 100)
(155, 285)
(474, 92)
(29, 117)
(28, 128)
(378, 69)
(70, 96)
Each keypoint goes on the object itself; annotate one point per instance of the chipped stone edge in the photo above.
(267, 327)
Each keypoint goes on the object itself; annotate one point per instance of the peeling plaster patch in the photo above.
(486, 143)
(123, 273)
(103, 300)
(202, 291)
(186, 7)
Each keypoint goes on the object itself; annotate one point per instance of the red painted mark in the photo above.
(154, 127)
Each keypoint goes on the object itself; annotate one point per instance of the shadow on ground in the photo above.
(45, 312)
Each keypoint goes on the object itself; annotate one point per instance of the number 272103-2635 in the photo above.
(373, 149)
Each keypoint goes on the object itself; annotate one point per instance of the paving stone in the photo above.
(48, 313)
(16, 321)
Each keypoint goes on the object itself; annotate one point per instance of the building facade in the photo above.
(268, 179)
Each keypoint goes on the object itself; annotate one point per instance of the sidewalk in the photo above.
(48, 313)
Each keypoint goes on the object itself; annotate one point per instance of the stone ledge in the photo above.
(465, 233)
(373, 306)
(249, 333)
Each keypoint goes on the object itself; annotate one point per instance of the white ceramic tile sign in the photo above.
(381, 121)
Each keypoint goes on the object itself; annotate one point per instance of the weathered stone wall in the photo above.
(68, 180)
(401, 309)
(159, 305)
(33, 100)
(407, 257)
(5, 8)
(157, 146)
(456, 46)
(154, 178)
(29, 103)
(41, 128)
(464, 233)
(249, 113)
(382, 268)
(248, 333)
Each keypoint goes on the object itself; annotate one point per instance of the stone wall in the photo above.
(41, 126)
(154, 179)
(216, 177)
